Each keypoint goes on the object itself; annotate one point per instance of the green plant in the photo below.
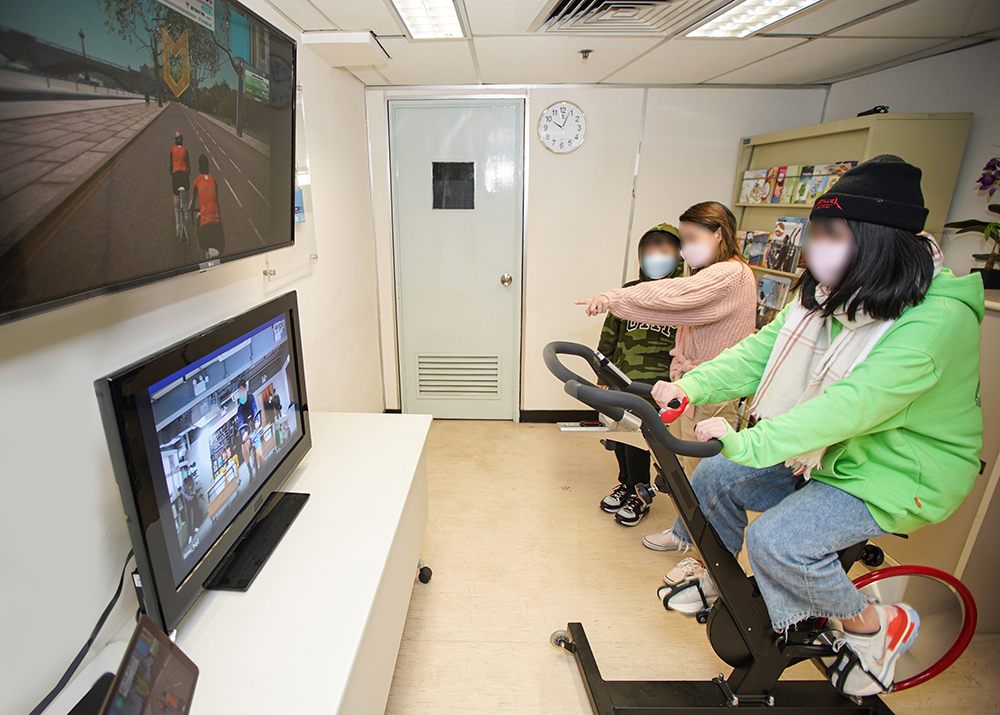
(990, 231)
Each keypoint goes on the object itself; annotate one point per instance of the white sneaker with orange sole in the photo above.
(873, 666)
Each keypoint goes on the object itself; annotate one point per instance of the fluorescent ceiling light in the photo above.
(429, 19)
(749, 16)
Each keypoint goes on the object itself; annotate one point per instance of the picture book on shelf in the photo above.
(779, 184)
(769, 181)
(753, 186)
(791, 180)
(802, 185)
(817, 187)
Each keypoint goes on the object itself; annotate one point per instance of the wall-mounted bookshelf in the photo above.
(933, 142)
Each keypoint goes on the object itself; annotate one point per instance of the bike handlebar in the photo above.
(614, 403)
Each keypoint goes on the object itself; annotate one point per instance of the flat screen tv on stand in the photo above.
(202, 436)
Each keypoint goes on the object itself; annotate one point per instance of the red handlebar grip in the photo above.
(669, 414)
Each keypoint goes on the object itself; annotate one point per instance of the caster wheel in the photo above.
(425, 574)
(872, 556)
(644, 493)
(560, 639)
(702, 617)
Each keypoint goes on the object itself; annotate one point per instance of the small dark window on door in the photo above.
(454, 185)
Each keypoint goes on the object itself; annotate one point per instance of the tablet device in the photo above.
(154, 678)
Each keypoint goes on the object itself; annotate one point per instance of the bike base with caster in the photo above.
(698, 697)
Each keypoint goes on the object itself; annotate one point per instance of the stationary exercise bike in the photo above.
(739, 628)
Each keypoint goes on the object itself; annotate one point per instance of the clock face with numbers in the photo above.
(562, 127)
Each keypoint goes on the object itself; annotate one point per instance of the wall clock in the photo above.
(562, 127)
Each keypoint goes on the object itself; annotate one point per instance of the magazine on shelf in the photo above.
(765, 315)
(772, 291)
(784, 244)
(754, 247)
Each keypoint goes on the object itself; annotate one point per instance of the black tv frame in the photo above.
(163, 602)
(120, 286)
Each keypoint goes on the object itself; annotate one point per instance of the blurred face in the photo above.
(242, 395)
(829, 250)
(699, 245)
(658, 259)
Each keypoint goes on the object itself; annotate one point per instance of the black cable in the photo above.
(64, 680)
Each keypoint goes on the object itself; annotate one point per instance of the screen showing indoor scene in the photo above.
(222, 426)
(140, 139)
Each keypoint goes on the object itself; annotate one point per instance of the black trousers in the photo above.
(633, 465)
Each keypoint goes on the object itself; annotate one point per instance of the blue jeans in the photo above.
(793, 544)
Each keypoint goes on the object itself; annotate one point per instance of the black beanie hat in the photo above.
(884, 190)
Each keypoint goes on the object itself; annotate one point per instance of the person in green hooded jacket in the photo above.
(866, 390)
(642, 352)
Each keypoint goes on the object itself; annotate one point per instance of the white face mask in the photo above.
(698, 254)
(828, 261)
(658, 265)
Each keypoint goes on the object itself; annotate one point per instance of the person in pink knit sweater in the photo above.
(713, 308)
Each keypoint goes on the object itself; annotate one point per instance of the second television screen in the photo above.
(222, 425)
(140, 139)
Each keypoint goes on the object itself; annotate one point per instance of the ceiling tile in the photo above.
(823, 59)
(682, 61)
(828, 16)
(428, 62)
(502, 17)
(546, 59)
(985, 17)
(304, 14)
(360, 15)
(924, 18)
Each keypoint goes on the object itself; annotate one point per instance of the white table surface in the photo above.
(318, 631)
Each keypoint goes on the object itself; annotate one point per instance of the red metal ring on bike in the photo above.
(969, 617)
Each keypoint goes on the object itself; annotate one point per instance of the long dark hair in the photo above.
(891, 271)
(714, 216)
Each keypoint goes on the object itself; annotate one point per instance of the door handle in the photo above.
(506, 280)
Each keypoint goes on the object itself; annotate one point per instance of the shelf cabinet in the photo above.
(933, 142)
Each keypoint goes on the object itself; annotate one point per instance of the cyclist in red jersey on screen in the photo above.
(180, 170)
(205, 192)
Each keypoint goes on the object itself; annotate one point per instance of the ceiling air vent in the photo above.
(663, 18)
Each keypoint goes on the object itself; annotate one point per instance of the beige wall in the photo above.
(63, 526)
(578, 205)
(961, 81)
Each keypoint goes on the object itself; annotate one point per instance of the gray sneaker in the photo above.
(632, 511)
(615, 500)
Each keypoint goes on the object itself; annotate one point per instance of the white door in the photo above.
(457, 198)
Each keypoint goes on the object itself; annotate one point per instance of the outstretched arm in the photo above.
(690, 301)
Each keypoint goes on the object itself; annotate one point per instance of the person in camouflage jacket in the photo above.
(642, 352)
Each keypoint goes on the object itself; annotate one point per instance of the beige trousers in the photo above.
(686, 422)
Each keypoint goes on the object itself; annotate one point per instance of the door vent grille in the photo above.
(664, 18)
(463, 376)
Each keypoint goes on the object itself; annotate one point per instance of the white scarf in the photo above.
(805, 360)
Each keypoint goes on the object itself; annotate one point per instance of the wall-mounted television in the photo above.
(202, 436)
(140, 139)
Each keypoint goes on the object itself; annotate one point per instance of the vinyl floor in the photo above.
(519, 548)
